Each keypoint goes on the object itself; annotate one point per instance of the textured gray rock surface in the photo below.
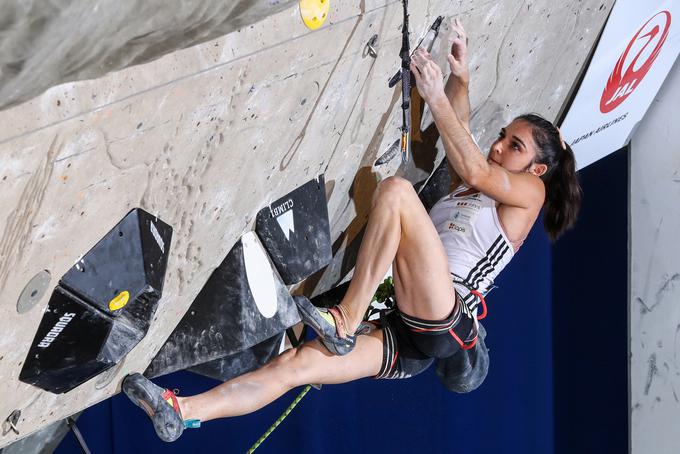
(43, 44)
(207, 136)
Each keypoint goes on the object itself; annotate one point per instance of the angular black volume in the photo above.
(242, 362)
(126, 266)
(295, 231)
(102, 307)
(243, 303)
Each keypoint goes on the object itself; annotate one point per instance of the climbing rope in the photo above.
(383, 295)
(279, 420)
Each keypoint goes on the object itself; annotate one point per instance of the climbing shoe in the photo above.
(159, 404)
(327, 323)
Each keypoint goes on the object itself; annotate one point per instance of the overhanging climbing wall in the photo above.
(205, 137)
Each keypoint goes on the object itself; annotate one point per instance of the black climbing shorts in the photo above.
(410, 344)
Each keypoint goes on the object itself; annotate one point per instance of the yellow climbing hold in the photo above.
(119, 301)
(314, 12)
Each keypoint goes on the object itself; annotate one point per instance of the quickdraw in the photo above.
(405, 55)
(404, 74)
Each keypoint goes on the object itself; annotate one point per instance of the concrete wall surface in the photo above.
(43, 44)
(206, 136)
(655, 276)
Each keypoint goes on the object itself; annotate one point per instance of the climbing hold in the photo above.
(91, 323)
(243, 303)
(295, 231)
(314, 12)
(119, 301)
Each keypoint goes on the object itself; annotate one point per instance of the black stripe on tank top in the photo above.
(493, 267)
(482, 269)
(475, 301)
(483, 261)
(467, 298)
(488, 266)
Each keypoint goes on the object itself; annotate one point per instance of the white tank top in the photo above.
(476, 245)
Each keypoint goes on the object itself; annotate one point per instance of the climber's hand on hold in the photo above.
(458, 58)
(428, 76)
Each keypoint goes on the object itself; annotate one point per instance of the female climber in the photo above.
(442, 262)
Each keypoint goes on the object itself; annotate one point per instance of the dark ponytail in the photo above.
(563, 192)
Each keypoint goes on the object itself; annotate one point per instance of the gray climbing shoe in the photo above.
(325, 322)
(159, 404)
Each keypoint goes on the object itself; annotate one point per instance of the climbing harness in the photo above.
(481, 297)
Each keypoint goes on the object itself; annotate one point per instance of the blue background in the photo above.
(557, 383)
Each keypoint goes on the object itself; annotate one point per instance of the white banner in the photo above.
(637, 49)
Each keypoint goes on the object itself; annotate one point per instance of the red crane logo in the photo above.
(635, 61)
